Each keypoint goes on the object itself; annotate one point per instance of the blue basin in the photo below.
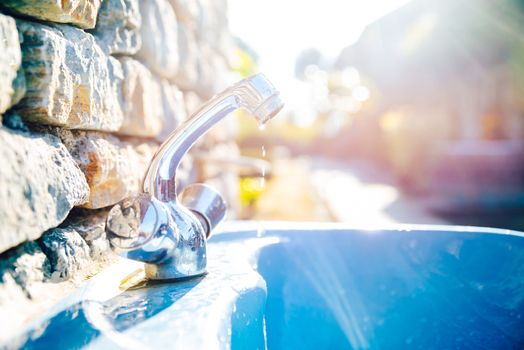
(311, 286)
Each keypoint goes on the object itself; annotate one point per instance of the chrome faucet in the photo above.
(168, 233)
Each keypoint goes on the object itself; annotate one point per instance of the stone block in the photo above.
(152, 107)
(28, 265)
(192, 101)
(188, 72)
(81, 13)
(118, 27)
(39, 184)
(77, 245)
(214, 73)
(66, 251)
(214, 13)
(70, 81)
(159, 49)
(222, 73)
(12, 85)
(141, 100)
(215, 28)
(114, 168)
(91, 226)
(190, 13)
(174, 109)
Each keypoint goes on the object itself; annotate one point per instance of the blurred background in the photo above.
(396, 111)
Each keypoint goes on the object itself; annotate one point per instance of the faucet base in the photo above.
(185, 263)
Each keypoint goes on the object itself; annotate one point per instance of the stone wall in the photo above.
(88, 90)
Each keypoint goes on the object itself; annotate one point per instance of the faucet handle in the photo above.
(206, 203)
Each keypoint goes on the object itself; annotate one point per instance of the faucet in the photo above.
(168, 232)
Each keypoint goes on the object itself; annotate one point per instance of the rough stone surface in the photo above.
(114, 169)
(118, 27)
(27, 264)
(70, 81)
(11, 87)
(19, 87)
(15, 122)
(141, 100)
(215, 22)
(91, 226)
(188, 72)
(174, 109)
(189, 12)
(39, 184)
(223, 73)
(213, 73)
(152, 107)
(192, 101)
(159, 49)
(67, 253)
(36, 274)
(78, 12)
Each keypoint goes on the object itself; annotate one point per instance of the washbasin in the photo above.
(310, 286)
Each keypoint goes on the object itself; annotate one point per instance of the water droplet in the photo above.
(262, 182)
(261, 127)
(263, 152)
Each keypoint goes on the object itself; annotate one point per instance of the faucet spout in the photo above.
(255, 94)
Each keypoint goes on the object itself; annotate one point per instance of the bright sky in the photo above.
(278, 30)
